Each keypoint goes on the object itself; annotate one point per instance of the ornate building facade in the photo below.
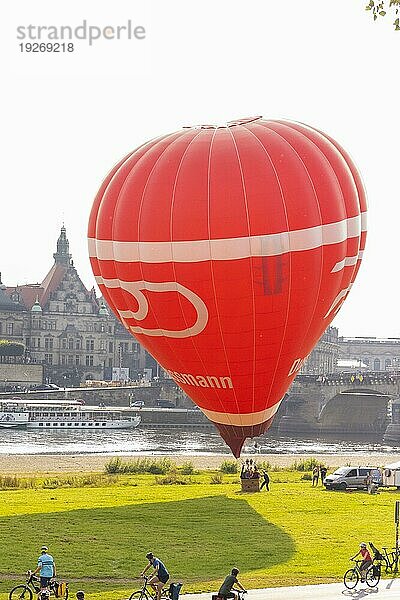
(323, 359)
(375, 354)
(67, 328)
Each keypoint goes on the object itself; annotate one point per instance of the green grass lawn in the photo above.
(99, 535)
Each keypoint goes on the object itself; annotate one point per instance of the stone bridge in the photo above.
(345, 403)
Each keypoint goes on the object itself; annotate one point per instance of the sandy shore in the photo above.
(20, 464)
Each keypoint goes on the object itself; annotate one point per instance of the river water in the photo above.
(171, 441)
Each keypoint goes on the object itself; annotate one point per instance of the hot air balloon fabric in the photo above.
(227, 251)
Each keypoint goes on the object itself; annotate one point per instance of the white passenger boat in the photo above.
(64, 414)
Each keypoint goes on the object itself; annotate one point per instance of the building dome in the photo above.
(36, 308)
(103, 310)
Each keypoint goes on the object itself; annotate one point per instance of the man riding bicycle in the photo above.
(225, 591)
(47, 568)
(160, 575)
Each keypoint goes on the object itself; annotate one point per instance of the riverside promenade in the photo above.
(387, 588)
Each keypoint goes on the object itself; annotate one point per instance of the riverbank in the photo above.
(69, 463)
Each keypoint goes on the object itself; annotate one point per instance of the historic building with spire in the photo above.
(67, 328)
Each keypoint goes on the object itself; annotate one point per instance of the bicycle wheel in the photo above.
(350, 579)
(373, 575)
(21, 592)
(139, 595)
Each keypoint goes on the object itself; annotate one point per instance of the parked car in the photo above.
(137, 404)
(165, 404)
(45, 386)
(352, 477)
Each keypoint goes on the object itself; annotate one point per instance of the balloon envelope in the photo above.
(227, 251)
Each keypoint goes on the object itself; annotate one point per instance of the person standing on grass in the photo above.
(323, 471)
(160, 575)
(225, 591)
(315, 476)
(47, 568)
(265, 482)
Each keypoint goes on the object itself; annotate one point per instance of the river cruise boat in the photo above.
(64, 414)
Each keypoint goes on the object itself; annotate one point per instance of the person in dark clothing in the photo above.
(265, 482)
(225, 591)
(323, 471)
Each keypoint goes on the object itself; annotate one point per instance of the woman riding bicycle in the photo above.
(160, 575)
(366, 559)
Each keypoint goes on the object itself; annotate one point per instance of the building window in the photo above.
(89, 360)
(64, 344)
(377, 364)
(77, 360)
(70, 359)
(90, 345)
(388, 363)
(48, 359)
(63, 359)
(78, 345)
(10, 328)
(48, 343)
(110, 347)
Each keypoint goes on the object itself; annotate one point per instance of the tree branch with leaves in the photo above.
(380, 9)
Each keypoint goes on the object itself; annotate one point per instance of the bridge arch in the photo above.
(355, 411)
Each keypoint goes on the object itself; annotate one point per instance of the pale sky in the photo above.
(68, 117)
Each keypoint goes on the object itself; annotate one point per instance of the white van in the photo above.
(352, 478)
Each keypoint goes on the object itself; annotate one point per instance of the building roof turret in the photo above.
(62, 256)
(36, 308)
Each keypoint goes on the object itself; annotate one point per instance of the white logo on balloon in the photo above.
(135, 288)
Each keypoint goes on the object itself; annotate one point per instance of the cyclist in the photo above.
(225, 591)
(47, 568)
(366, 559)
(160, 575)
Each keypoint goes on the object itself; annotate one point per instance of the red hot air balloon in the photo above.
(227, 251)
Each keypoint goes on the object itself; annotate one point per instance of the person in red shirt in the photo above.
(366, 559)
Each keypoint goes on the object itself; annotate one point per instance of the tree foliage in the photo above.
(8, 348)
(380, 8)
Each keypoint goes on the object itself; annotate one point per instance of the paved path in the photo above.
(387, 588)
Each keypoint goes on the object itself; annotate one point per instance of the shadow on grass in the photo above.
(199, 539)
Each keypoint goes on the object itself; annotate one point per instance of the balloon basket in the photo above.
(250, 485)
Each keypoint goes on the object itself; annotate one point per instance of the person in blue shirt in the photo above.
(160, 575)
(47, 568)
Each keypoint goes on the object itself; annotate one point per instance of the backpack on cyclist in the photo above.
(377, 554)
(173, 591)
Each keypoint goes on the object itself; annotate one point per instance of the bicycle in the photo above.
(26, 591)
(352, 576)
(390, 558)
(146, 594)
(240, 595)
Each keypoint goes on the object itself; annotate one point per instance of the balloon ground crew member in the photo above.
(47, 568)
(225, 591)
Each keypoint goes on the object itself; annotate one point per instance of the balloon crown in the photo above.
(236, 122)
